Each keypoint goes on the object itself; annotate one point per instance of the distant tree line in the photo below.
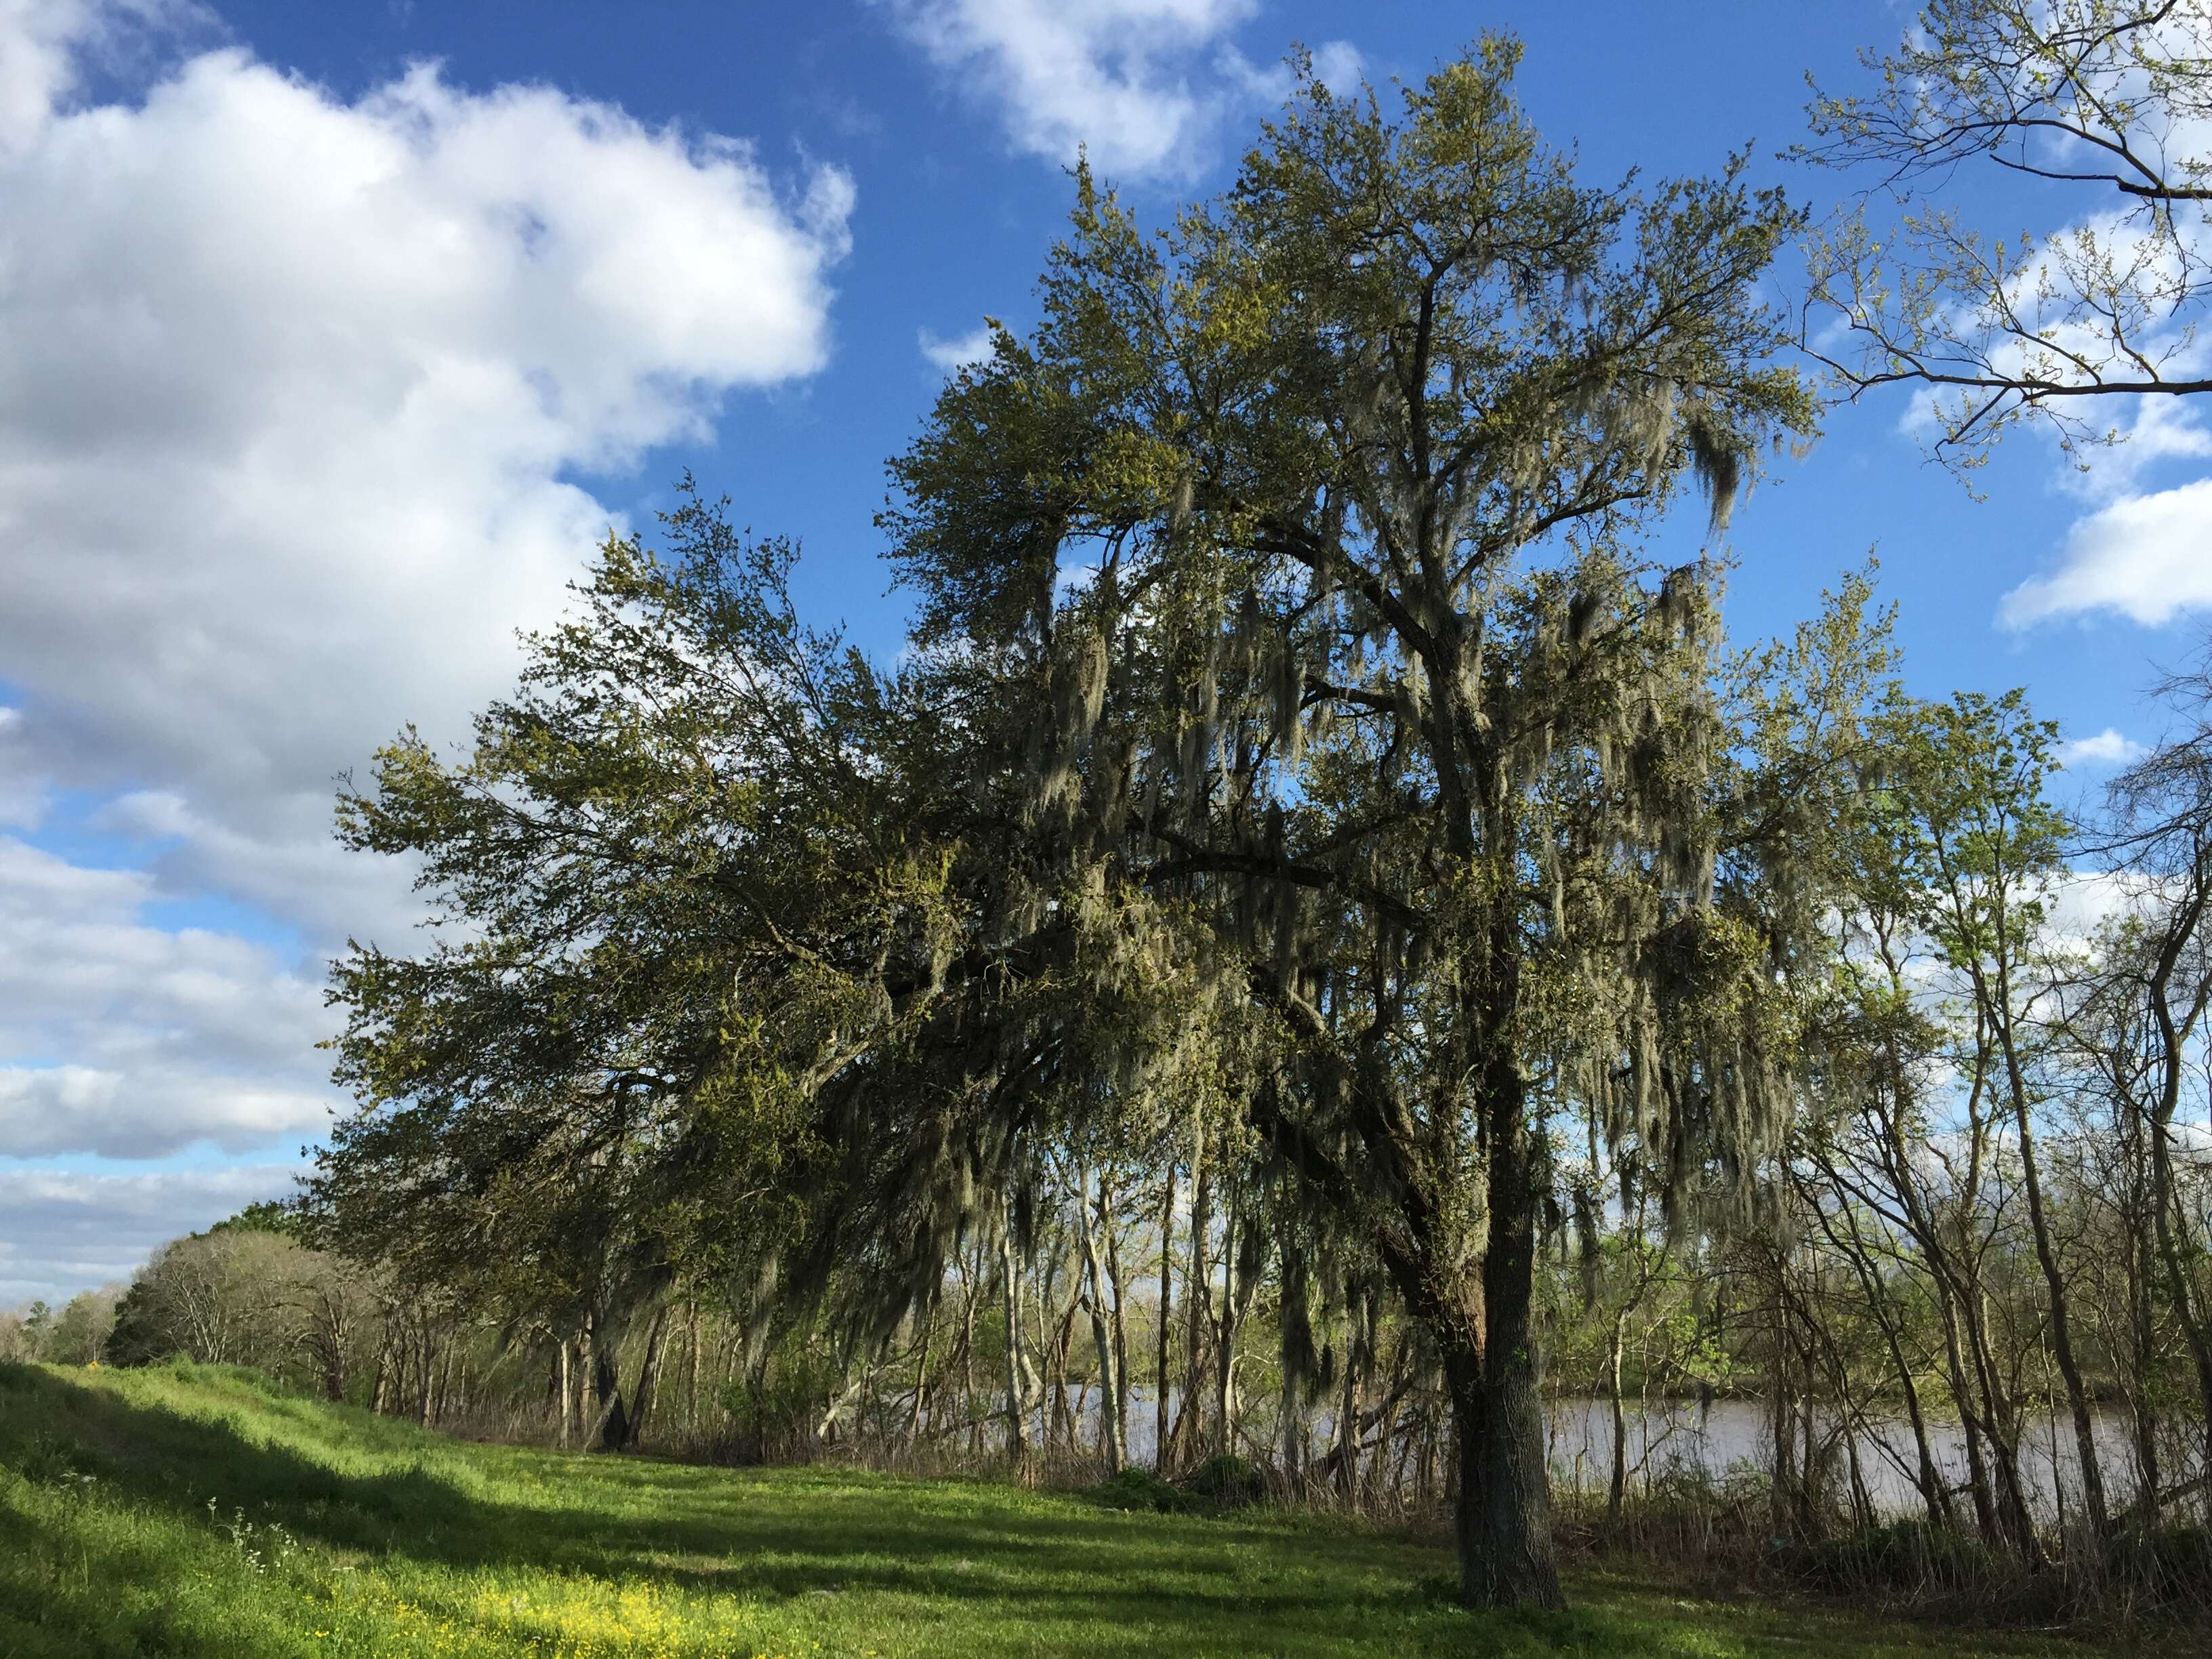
(75, 1333)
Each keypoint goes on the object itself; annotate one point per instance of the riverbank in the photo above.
(200, 1510)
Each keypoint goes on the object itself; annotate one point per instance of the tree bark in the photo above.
(1167, 1309)
(648, 1376)
(1197, 1295)
(1019, 1371)
(567, 1399)
(1116, 1285)
(1112, 1417)
(2046, 1255)
(1240, 1277)
(1347, 1414)
(610, 1428)
(379, 1392)
(1506, 1557)
(425, 1398)
(1616, 1485)
(921, 1373)
(691, 1384)
(2166, 1206)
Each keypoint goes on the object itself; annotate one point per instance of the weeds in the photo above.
(336, 1532)
(260, 1545)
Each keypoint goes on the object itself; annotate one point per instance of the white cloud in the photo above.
(286, 863)
(48, 1109)
(2142, 552)
(22, 791)
(2080, 902)
(2107, 748)
(2158, 430)
(134, 1041)
(62, 1231)
(38, 65)
(952, 356)
(2148, 557)
(43, 42)
(1144, 83)
(1337, 65)
(289, 388)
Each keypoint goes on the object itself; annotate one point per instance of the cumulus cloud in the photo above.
(44, 44)
(289, 387)
(2139, 551)
(2144, 557)
(292, 391)
(952, 356)
(71, 1108)
(2155, 430)
(2080, 902)
(131, 1040)
(1144, 84)
(22, 791)
(286, 863)
(62, 1231)
(1337, 64)
(2107, 748)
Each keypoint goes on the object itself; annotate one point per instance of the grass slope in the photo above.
(197, 1511)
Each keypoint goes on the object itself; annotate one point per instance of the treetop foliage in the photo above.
(1300, 773)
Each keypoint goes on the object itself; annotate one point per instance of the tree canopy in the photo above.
(1301, 772)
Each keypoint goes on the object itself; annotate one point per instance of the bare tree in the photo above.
(2111, 95)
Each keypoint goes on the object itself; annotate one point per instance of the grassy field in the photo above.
(196, 1512)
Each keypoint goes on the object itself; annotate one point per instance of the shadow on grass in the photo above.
(1007, 1570)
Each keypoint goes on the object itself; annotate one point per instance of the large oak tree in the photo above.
(1312, 519)
(1295, 734)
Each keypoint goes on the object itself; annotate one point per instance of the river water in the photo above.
(1726, 1438)
(1737, 1436)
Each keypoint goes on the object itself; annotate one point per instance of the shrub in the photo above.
(1904, 1555)
(1227, 1480)
(1141, 1489)
(2172, 1562)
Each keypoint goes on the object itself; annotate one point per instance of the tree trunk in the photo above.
(2165, 1204)
(2001, 1425)
(922, 1374)
(825, 1429)
(1112, 1417)
(1617, 1483)
(1116, 1284)
(1197, 1295)
(1935, 1496)
(425, 1398)
(1998, 1419)
(2143, 1317)
(1241, 1266)
(1017, 1360)
(969, 1285)
(1073, 1398)
(2046, 1254)
(1348, 1413)
(648, 1376)
(1167, 1309)
(691, 1386)
(1505, 1548)
(611, 1425)
(567, 1401)
(380, 1391)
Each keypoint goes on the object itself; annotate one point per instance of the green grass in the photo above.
(197, 1511)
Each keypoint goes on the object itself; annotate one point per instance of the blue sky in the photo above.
(334, 335)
